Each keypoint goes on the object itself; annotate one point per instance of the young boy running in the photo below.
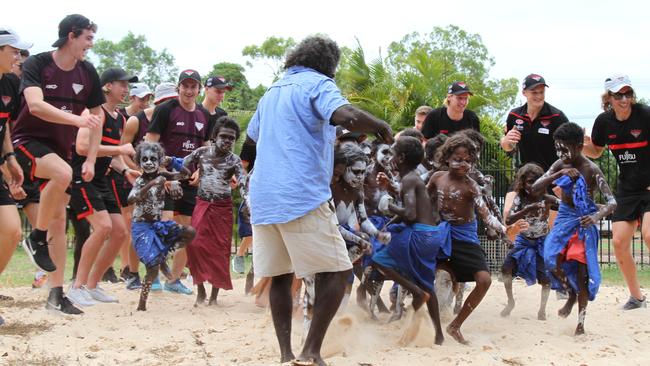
(571, 248)
(457, 198)
(410, 257)
(209, 254)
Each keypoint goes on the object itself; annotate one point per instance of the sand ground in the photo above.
(236, 332)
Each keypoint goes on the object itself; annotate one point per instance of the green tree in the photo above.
(417, 71)
(272, 52)
(241, 97)
(133, 54)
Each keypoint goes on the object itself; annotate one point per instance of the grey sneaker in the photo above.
(98, 294)
(238, 264)
(634, 303)
(80, 296)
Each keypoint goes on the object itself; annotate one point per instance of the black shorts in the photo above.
(184, 205)
(90, 197)
(466, 259)
(631, 207)
(5, 196)
(26, 155)
(119, 187)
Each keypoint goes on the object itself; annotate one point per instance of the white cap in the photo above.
(9, 38)
(617, 82)
(164, 91)
(140, 90)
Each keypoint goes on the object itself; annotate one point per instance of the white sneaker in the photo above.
(98, 294)
(80, 297)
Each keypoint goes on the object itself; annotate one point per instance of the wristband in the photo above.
(7, 155)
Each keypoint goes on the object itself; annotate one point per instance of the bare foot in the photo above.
(212, 302)
(566, 309)
(455, 333)
(508, 309)
(541, 315)
(580, 329)
(439, 339)
(142, 307)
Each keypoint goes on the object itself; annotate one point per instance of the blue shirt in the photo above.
(295, 146)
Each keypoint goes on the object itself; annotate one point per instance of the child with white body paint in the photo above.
(209, 254)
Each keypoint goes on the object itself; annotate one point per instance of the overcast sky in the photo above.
(575, 45)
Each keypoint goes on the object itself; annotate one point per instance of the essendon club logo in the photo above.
(536, 77)
(545, 123)
(6, 99)
(636, 133)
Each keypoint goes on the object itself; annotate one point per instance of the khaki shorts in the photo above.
(307, 245)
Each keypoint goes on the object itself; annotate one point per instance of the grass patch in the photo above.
(611, 275)
(20, 271)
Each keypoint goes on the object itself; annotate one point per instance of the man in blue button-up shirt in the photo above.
(294, 224)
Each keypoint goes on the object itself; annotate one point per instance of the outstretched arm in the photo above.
(484, 213)
(357, 120)
(606, 192)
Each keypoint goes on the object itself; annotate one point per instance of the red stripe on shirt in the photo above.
(110, 140)
(629, 145)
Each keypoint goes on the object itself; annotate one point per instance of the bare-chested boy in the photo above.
(526, 259)
(410, 258)
(152, 238)
(571, 248)
(209, 253)
(458, 197)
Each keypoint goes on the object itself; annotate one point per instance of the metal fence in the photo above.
(495, 162)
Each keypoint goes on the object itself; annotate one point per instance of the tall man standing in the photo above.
(57, 86)
(294, 131)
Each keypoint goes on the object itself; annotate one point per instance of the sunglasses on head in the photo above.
(618, 96)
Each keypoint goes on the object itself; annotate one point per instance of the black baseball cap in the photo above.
(458, 88)
(532, 81)
(116, 74)
(72, 23)
(218, 82)
(189, 74)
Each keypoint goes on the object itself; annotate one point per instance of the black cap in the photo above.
(189, 74)
(116, 74)
(72, 23)
(458, 88)
(532, 81)
(218, 82)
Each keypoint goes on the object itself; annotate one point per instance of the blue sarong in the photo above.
(466, 232)
(377, 246)
(527, 253)
(566, 224)
(154, 240)
(413, 252)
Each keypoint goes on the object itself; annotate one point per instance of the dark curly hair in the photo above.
(317, 52)
(533, 169)
(453, 143)
(412, 150)
(570, 133)
(348, 154)
(475, 136)
(434, 144)
(413, 132)
(148, 145)
(226, 122)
